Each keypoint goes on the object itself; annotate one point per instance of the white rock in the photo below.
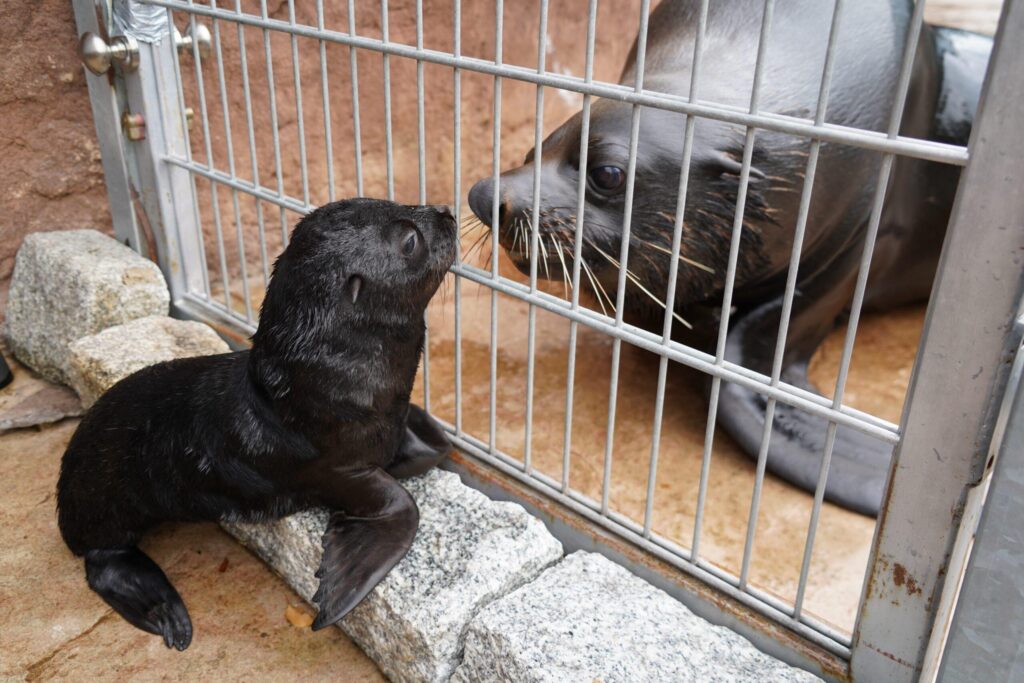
(70, 284)
(469, 550)
(588, 619)
(99, 361)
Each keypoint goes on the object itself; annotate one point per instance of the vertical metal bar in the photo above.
(984, 638)
(198, 243)
(230, 148)
(388, 144)
(300, 126)
(627, 222)
(422, 164)
(253, 160)
(201, 92)
(153, 90)
(106, 117)
(492, 408)
(272, 97)
(531, 332)
(730, 275)
(902, 88)
(354, 70)
(577, 249)
(457, 190)
(787, 298)
(326, 92)
(421, 133)
(673, 268)
(958, 377)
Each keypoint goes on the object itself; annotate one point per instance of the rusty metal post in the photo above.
(960, 372)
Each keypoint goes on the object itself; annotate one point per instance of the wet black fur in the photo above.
(312, 415)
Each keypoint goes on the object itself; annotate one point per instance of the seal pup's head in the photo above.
(358, 264)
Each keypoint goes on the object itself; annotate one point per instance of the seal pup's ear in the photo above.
(354, 284)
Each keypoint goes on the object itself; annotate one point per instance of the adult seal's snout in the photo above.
(948, 71)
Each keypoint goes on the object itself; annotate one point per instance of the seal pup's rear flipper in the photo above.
(130, 582)
(371, 532)
(423, 447)
(859, 464)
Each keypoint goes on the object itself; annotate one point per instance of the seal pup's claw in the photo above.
(363, 542)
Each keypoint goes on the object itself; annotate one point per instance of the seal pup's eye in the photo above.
(606, 178)
(409, 241)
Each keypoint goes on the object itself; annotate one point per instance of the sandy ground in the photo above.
(883, 358)
(55, 628)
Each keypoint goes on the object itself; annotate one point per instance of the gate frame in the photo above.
(968, 325)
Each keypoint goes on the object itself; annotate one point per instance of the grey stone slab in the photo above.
(30, 400)
(469, 550)
(72, 283)
(589, 619)
(97, 362)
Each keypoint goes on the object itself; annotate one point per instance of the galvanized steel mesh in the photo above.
(266, 188)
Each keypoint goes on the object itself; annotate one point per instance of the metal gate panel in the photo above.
(914, 530)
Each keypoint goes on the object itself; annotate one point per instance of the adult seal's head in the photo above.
(948, 70)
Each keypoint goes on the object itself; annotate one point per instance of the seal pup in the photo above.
(945, 85)
(316, 413)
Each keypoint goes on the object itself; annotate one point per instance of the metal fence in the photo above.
(168, 189)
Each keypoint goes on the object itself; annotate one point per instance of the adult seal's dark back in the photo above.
(944, 90)
(317, 413)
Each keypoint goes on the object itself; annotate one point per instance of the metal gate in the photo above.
(154, 127)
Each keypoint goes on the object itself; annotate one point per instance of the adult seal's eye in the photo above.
(607, 178)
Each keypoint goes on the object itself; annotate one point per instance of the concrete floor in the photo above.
(55, 628)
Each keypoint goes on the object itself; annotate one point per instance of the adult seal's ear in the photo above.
(354, 285)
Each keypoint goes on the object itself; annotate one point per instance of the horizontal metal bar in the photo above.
(786, 393)
(872, 140)
(283, 201)
(634, 534)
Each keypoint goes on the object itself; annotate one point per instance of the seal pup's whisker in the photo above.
(566, 285)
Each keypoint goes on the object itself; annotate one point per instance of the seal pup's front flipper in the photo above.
(859, 464)
(372, 529)
(423, 447)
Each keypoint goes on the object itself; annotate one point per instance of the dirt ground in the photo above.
(58, 629)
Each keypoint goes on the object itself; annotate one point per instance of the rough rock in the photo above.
(97, 362)
(588, 619)
(31, 400)
(72, 283)
(468, 551)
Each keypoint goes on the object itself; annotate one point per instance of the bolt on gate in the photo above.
(157, 65)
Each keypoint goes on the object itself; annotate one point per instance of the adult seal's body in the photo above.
(317, 413)
(944, 90)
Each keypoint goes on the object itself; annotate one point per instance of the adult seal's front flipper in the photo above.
(423, 446)
(370, 532)
(859, 464)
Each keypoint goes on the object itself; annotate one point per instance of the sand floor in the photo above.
(55, 628)
(883, 359)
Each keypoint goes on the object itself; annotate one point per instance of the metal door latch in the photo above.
(98, 56)
(134, 126)
(202, 39)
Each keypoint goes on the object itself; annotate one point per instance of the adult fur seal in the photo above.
(317, 413)
(946, 80)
